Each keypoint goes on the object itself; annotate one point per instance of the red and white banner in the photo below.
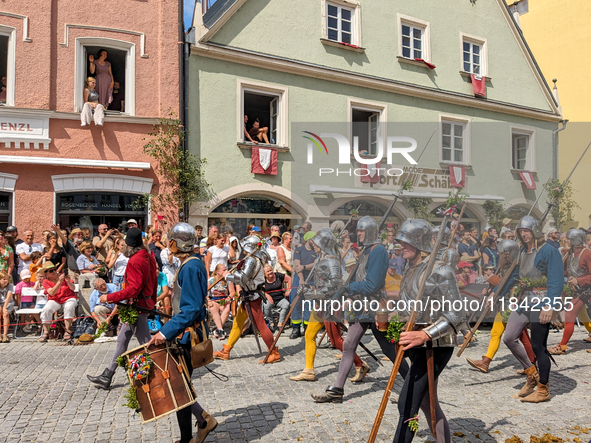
(263, 161)
(478, 85)
(370, 173)
(457, 176)
(528, 179)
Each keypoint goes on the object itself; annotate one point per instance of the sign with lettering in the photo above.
(22, 129)
(100, 203)
(423, 179)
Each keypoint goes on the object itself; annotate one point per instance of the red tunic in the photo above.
(141, 281)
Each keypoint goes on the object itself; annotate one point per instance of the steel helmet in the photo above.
(508, 246)
(326, 241)
(184, 236)
(370, 227)
(528, 222)
(576, 237)
(446, 237)
(416, 232)
(451, 258)
(251, 243)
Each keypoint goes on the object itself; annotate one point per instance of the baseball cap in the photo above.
(391, 263)
(464, 264)
(256, 229)
(11, 229)
(308, 235)
(131, 220)
(203, 243)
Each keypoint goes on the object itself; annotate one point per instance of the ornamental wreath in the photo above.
(139, 366)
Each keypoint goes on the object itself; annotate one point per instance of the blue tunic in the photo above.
(376, 269)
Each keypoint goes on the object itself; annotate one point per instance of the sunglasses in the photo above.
(50, 270)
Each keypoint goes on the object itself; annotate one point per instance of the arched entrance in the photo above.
(469, 218)
(236, 213)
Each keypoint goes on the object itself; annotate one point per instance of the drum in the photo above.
(163, 388)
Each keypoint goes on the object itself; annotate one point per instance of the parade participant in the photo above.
(304, 258)
(577, 268)
(190, 290)
(251, 278)
(508, 250)
(141, 281)
(369, 281)
(327, 280)
(534, 263)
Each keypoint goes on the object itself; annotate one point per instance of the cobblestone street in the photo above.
(46, 397)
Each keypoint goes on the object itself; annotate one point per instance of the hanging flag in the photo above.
(528, 179)
(478, 85)
(457, 176)
(429, 65)
(263, 161)
(370, 173)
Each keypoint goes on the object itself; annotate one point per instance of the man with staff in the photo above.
(188, 304)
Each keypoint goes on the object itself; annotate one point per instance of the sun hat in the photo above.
(464, 264)
(25, 273)
(308, 235)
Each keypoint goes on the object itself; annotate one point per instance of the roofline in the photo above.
(297, 67)
(221, 21)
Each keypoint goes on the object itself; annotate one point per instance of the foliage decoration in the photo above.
(455, 200)
(395, 327)
(495, 213)
(131, 397)
(420, 207)
(561, 201)
(127, 314)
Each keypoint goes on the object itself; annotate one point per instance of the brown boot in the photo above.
(274, 357)
(224, 354)
(361, 372)
(481, 365)
(305, 375)
(532, 380)
(539, 395)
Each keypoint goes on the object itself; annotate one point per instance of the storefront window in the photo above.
(91, 210)
(5, 210)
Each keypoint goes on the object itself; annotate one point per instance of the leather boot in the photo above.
(532, 380)
(295, 332)
(481, 365)
(104, 380)
(305, 375)
(224, 354)
(331, 395)
(361, 373)
(274, 357)
(539, 395)
(210, 424)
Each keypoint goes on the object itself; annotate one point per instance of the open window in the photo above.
(522, 150)
(367, 121)
(7, 65)
(264, 107)
(121, 56)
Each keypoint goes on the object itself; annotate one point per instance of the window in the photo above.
(7, 65)
(367, 128)
(121, 56)
(339, 23)
(414, 38)
(455, 140)
(265, 109)
(474, 58)
(520, 148)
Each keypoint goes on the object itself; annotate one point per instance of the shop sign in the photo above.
(423, 179)
(23, 129)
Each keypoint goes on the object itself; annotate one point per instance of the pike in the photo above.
(493, 298)
(409, 327)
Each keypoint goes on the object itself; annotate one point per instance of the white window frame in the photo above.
(355, 8)
(265, 89)
(530, 163)
(425, 38)
(374, 107)
(10, 32)
(81, 63)
(467, 137)
(472, 39)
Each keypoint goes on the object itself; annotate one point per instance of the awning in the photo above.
(55, 161)
(316, 189)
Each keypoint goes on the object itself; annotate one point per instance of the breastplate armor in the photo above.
(527, 269)
(327, 278)
(573, 269)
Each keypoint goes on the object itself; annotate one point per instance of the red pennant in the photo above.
(255, 163)
(457, 176)
(528, 179)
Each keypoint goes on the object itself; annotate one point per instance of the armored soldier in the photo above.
(577, 269)
(327, 281)
(188, 302)
(508, 250)
(534, 308)
(250, 276)
(370, 277)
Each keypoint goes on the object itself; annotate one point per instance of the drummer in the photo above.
(188, 304)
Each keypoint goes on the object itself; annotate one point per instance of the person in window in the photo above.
(3, 90)
(259, 133)
(91, 102)
(118, 103)
(249, 138)
(104, 76)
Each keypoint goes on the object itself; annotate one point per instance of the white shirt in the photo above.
(23, 247)
(120, 265)
(169, 268)
(218, 256)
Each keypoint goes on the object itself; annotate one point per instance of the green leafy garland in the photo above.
(455, 199)
(567, 291)
(101, 329)
(127, 314)
(505, 314)
(121, 361)
(395, 327)
(131, 397)
(527, 284)
(407, 185)
(413, 423)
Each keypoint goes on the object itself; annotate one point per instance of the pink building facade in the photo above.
(51, 168)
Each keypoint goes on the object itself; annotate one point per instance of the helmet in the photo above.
(251, 243)
(446, 237)
(184, 236)
(451, 258)
(326, 241)
(576, 237)
(508, 246)
(370, 227)
(528, 222)
(416, 232)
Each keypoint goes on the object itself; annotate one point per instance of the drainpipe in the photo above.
(555, 149)
(182, 114)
